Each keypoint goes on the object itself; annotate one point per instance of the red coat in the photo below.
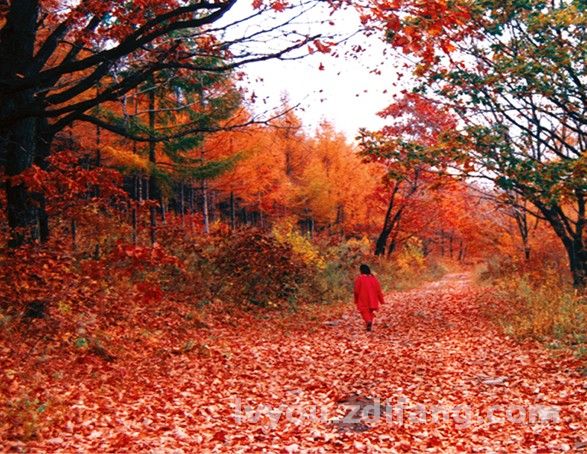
(368, 294)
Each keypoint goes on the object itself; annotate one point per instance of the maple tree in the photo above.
(513, 76)
(405, 147)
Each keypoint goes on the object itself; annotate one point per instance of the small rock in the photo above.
(496, 381)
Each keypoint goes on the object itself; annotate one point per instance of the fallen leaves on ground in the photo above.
(253, 383)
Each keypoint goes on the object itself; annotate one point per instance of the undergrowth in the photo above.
(536, 304)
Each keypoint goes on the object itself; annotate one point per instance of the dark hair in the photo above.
(364, 269)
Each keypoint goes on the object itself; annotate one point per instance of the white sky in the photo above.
(346, 92)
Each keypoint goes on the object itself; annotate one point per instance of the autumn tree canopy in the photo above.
(59, 61)
(514, 76)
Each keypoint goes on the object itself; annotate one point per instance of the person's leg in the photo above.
(371, 318)
(367, 315)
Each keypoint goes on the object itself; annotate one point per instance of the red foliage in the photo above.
(66, 182)
(421, 28)
(137, 258)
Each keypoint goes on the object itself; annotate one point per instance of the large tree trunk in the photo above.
(19, 139)
(22, 212)
(572, 238)
(577, 262)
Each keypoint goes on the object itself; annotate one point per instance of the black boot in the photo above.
(369, 326)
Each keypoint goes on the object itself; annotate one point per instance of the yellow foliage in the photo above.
(285, 233)
(126, 159)
(411, 258)
(364, 244)
(541, 310)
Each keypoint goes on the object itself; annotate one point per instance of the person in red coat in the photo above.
(368, 295)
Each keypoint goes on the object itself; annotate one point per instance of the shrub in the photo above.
(540, 309)
(286, 234)
(254, 267)
(411, 258)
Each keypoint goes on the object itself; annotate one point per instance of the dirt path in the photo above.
(428, 378)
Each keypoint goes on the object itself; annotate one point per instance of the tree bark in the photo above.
(577, 262)
(232, 212)
(387, 224)
(18, 143)
(572, 238)
(153, 190)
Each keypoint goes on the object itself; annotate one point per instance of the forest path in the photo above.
(434, 368)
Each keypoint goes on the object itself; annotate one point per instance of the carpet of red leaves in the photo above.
(179, 390)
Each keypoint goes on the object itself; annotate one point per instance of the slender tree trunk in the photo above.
(393, 243)
(73, 234)
(204, 182)
(153, 160)
(205, 207)
(261, 219)
(339, 214)
(232, 212)
(153, 225)
(521, 218)
(163, 210)
(387, 224)
(134, 224)
(181, 203)
(192, 207)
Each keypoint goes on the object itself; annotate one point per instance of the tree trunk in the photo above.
(205, 212)
(153, 190)
(393, 243)
(19, 140)
(181, 203)
(578, 262)
(387, 224)
(134, 224)
(163, 203)
(521, 218)
(572, 239)
(232, 212)
(73, 234)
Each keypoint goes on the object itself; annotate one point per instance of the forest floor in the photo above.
(435, 375)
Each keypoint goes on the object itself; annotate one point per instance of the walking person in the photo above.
(368, 295)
